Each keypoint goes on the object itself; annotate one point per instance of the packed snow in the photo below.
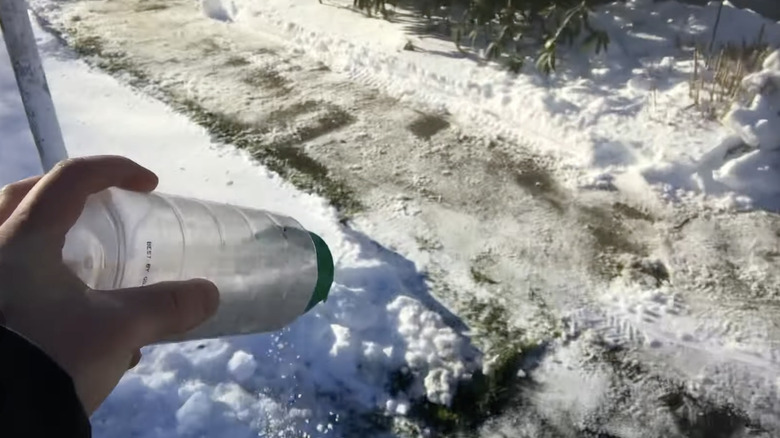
(334, 361)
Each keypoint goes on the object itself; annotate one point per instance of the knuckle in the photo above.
(11, 191)
(69, 165)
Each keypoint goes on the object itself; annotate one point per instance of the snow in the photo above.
(757, 124)
(753, 175)
(618, 122)
(242, 366)
(335, 359)
(621, 112)
(194, 413)
(431, 346)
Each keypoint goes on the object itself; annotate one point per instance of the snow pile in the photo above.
(432, 349)
(337, 359)
(752, 178)
(759, 124)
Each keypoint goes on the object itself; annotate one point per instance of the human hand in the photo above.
(95, 336)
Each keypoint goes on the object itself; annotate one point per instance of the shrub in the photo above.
(716, 79)
(510, 29)
(372, 6)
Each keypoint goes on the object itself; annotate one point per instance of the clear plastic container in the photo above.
(268, 268)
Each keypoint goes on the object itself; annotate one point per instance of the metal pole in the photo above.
(715, 29)
(30, 78)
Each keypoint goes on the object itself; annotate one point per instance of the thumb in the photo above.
(163, 310)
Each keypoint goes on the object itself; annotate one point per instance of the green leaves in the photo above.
(514, 29)
(546, 60)
(371, 6)
(551, 23)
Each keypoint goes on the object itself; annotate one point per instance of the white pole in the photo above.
(30, 78)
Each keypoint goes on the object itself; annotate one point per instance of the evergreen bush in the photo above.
(511, 30)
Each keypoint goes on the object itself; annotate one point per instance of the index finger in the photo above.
(12, 194)
(56, 202)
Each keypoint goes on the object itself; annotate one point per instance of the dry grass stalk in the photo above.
(716, 81)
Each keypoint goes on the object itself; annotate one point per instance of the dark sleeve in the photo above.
(37, 398)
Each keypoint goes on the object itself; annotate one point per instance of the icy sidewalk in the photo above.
(338, 359)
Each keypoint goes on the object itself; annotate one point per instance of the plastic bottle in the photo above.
(268, 268)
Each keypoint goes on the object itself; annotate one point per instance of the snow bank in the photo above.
(746, 165)
(337, 359)
(626, 111)
(757, 124)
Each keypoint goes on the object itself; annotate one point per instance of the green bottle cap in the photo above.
(324, 272)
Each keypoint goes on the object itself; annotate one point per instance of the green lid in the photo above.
(324, 272)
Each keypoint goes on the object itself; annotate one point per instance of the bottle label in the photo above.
(148, 265)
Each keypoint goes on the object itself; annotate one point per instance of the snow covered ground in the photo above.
(332, 363)
(624, 112)
(684, 327)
